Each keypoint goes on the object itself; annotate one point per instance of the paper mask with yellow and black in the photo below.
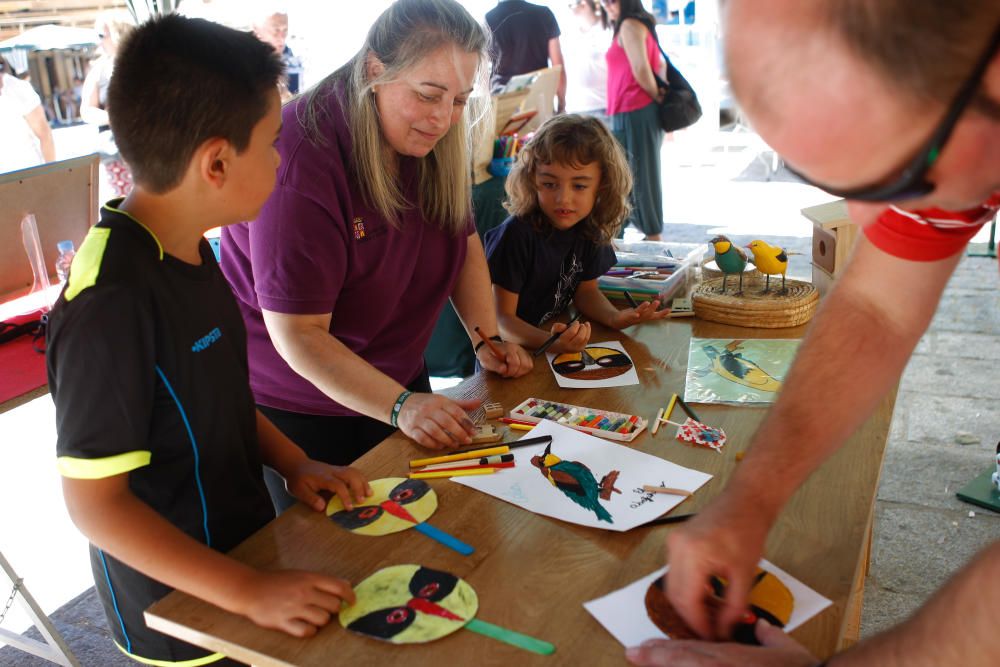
(769, 599)
(410, 604)
(593, 363)
(396, 504)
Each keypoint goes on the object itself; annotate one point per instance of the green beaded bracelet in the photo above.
(397, 406)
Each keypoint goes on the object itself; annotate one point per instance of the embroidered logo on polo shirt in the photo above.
(207, 340)
(361, 233)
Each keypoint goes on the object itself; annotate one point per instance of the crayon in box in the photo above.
(601, 423)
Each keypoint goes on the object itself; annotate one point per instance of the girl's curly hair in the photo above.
(573, 140)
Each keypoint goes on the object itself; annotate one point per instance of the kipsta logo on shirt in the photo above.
(206, 341)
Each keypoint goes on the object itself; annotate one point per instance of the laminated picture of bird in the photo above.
(771, 261)
(730, 259)
(577, 482)
(396, 504)
(769, 599)
(729, 363)
(592, 363)
(412, 604)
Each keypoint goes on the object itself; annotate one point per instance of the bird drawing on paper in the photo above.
(770, 260)
(730, 259)
(734, 367)
(577, 482)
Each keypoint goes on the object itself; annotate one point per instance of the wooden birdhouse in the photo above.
(834, 236)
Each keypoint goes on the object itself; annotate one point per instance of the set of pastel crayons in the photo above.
(602, 423)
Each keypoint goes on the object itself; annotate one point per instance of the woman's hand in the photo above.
(437, 422)
(573, 339)
(515, 362)
(643, 312)
(311, 476)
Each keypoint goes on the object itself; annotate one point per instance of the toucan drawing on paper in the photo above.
(577, 483)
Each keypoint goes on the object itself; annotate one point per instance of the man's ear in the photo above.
(214, 161)
(373, 66)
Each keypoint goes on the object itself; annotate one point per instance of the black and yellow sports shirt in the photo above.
(147, 365)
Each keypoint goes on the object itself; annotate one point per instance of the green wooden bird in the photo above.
(731, 259)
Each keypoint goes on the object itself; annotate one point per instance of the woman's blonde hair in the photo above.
(575, 141)
(404, 34)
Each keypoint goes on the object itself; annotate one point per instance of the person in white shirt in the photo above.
(586, 90)
(24, 132)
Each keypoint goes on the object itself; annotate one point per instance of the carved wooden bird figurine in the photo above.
(730, 259)
(770, 260)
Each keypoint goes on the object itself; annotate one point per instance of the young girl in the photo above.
(567, 196)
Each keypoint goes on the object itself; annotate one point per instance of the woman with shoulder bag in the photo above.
(633, 61)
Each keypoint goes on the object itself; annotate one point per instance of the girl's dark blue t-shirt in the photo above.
(543, 268)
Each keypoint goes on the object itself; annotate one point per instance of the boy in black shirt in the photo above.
(160, 446)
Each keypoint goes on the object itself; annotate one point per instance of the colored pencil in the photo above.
(521, 427)
(490, 344)
(667, 489)
(632, 302)
(496, 459)
(656, 422)
(554, 337)
(670, 408)
(677, 518)
(440, 474)
(690, 413)
(478, 466)
(461, 456)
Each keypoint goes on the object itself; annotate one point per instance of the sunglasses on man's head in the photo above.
(912, 181)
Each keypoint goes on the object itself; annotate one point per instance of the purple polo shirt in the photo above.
(316, 248)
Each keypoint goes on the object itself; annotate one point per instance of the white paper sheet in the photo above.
(527, 486)
(593, 365)
(623, 612)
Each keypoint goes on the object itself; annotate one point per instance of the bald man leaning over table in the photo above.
(895, 106)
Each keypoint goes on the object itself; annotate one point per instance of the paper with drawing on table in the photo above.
(598, 365)
(587, 481)
(623, 612)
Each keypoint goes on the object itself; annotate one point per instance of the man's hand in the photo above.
(725, 541)
(437, 422)
(777, 650)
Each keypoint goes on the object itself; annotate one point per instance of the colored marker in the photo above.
(554, 337)
(508, 420)
(527, 442)
(690, 413)
(461, 456)
(521, 427)
(443, 467)
(632, 302)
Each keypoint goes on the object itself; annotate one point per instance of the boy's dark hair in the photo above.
(178, 82)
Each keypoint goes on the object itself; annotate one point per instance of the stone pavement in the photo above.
(944, 433)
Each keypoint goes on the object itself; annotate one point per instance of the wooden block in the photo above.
(486, 433)
(493, 410)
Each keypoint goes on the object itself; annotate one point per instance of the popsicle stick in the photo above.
(667, 489)
(510, 637)
(656, 422)
(444, 538)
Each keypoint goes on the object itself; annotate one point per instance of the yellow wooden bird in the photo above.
(770, 260)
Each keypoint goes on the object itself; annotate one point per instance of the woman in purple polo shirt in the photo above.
(369, 230)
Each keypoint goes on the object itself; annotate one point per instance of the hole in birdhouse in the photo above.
(822, 247)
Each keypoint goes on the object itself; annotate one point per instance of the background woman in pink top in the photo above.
(632, 98)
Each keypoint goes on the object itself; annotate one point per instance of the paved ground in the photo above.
(922, 533)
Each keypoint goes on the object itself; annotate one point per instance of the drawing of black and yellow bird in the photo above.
(396, 504)
(732, 366)
(730, 259)
(577, 482)
(769, 260)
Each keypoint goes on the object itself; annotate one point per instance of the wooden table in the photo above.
(533, 573)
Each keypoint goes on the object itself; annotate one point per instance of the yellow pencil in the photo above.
(438, 474)
(462, 456)
(670, 408)
(520, 427)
